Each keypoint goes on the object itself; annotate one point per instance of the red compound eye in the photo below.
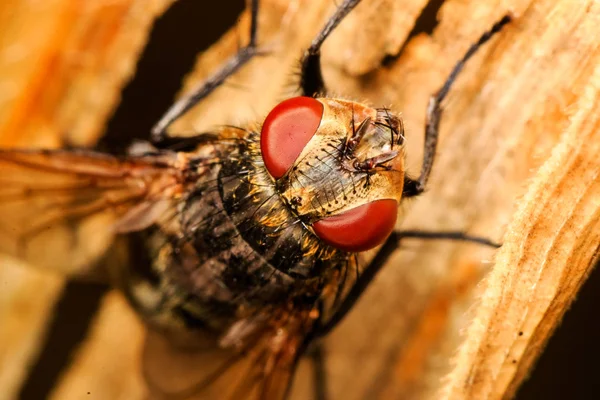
(360, 228)
(286, 130)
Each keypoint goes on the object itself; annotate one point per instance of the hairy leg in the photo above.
(434, 113)
(311, 79)
(245, 54)
(391, 244)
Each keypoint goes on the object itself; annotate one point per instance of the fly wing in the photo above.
(62, 209)
(257, 356)
(259, 366)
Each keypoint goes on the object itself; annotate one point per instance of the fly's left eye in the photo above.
(286, 131)
(361, 228)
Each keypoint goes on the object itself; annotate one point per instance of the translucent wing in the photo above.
(257, 357)
(259, 365)
(62, 209)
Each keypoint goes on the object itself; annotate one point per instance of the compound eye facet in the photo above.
(286, 131)
(361, 228)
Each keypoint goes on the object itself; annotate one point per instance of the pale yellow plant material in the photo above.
(517, 163)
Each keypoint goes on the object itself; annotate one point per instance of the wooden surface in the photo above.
(517, 163)
(63, 64)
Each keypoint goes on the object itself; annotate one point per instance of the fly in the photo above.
(246, 238)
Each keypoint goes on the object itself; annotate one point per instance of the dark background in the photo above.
(567, 368)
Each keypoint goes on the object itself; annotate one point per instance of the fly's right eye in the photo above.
(286, 131)
(361, 228)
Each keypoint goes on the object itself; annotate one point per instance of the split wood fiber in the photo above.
(517, 163)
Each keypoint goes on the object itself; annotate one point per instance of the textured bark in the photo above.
(517, 163)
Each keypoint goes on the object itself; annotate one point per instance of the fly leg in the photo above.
(434, 114)
(413, 188)
(380, 259)
(245, 54)
(311, 78)
(317, 353)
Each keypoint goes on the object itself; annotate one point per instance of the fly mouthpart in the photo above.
(357, 134)
(374, 144)
(394, 124)
(377, 161)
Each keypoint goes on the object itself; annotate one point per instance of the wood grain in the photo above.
(517, 163)
(63, 64)
(507, 116)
